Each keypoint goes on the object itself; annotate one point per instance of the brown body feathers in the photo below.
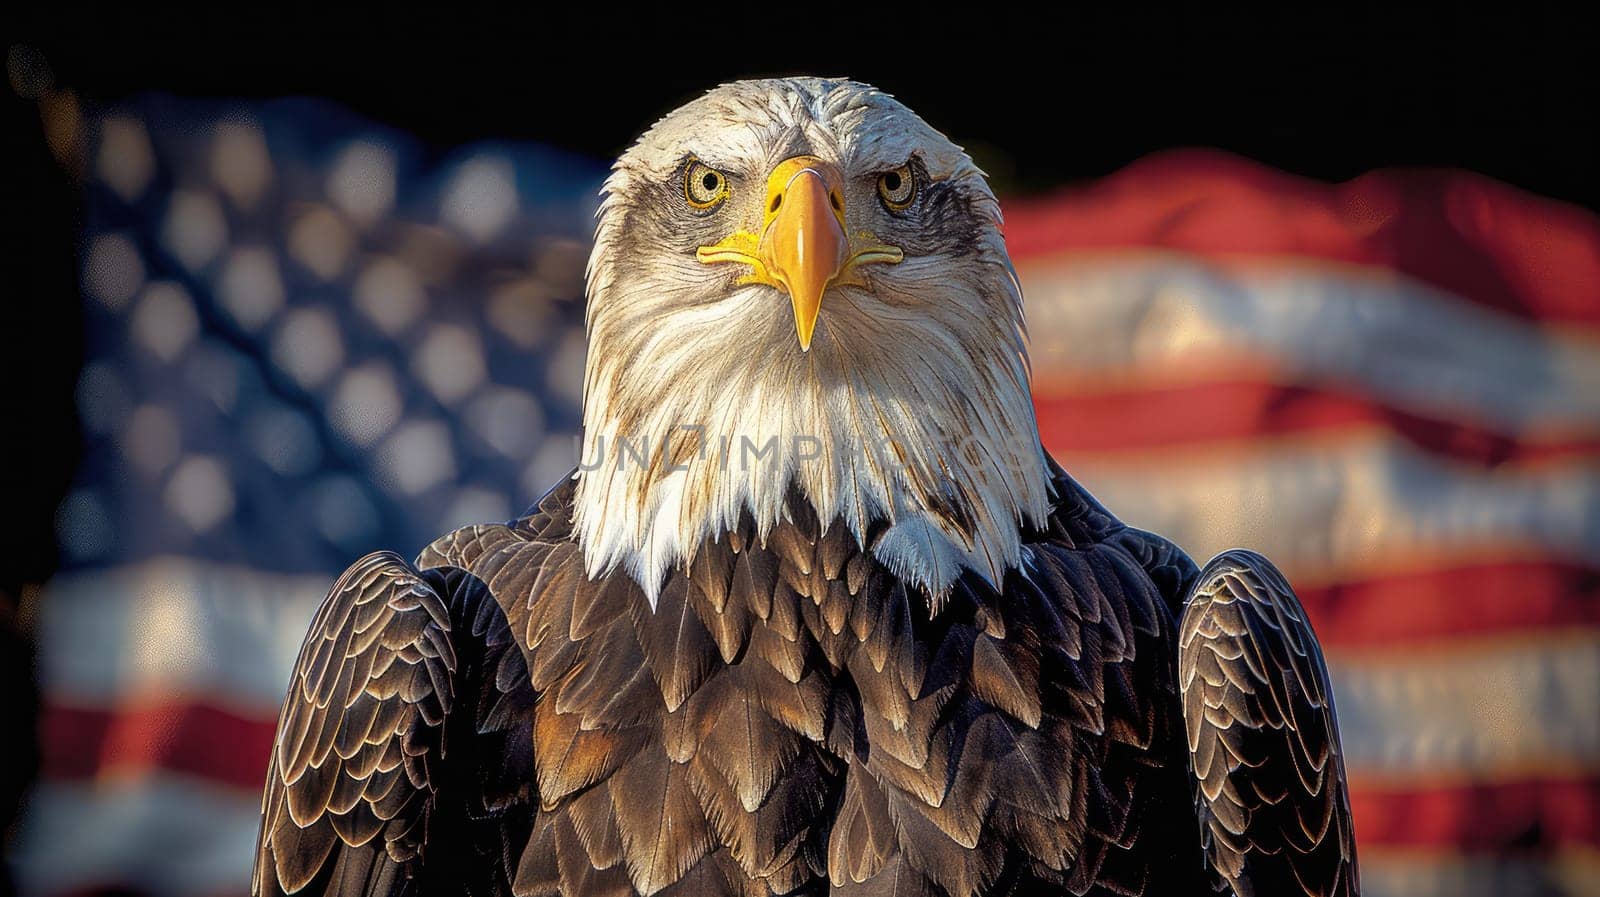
(790, 719)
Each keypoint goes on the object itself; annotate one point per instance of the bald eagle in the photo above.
(816, 613)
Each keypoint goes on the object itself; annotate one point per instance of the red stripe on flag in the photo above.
(1117, 421)
(1480, 816)
(1464, 233)
(196, 739)
(1401, 610)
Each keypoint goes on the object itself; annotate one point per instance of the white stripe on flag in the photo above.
(164, 834)
(1568, 873)
(1130, 315)
(1340, 504)
(175, 626)
(1490, 709)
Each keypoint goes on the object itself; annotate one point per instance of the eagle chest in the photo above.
(789, 715)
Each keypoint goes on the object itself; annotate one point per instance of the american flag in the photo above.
(308, 338)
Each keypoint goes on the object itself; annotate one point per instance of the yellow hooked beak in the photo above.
(802, 248)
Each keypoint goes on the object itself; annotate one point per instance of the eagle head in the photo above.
(798, 287)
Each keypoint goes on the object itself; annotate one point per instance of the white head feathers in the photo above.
(911, 407)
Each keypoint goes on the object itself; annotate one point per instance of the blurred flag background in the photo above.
(306, 336)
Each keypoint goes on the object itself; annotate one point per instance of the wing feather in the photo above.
(1263, 736)
(394, 657)
(375, 674)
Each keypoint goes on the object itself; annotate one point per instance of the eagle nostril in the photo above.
(777, 200)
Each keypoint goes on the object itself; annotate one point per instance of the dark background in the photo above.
(1040, 100)
(1043, 98)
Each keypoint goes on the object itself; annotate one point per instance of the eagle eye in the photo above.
(704, 187)
(898, 188)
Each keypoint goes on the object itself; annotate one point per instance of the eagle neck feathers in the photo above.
(929, 491)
